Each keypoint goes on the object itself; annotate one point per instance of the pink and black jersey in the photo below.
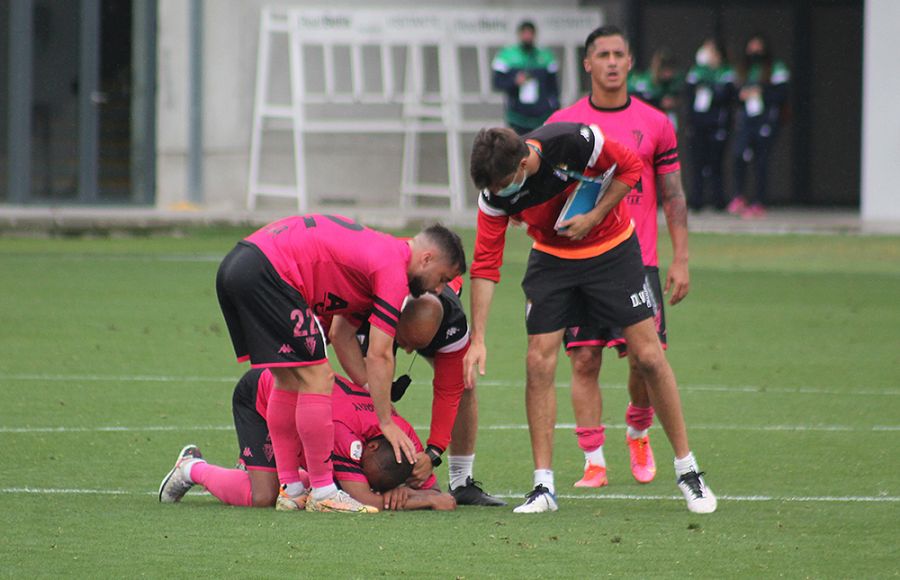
(649, 133)
(339, 266)
(355, 422)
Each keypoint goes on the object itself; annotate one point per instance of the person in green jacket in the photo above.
(527, 75)
(660, 85)
(763, 92)
(709, 94)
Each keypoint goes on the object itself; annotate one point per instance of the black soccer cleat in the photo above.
(472, 494)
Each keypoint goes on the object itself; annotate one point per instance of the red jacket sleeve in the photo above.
(448, 390)
(490, 239)
(628, 165)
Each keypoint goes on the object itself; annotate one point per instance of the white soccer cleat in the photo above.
(537, 501)
(341, 502)
(288, 503)
(700, 499)
(174, 485)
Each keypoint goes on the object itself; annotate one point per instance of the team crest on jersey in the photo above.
(638, 137)
(356, 449)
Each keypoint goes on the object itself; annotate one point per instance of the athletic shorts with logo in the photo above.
(612, 337)
(605, 291)
(254, 442)
(270, 322)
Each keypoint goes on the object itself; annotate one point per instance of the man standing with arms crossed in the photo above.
(586, 268)
(649, 133)
(274, 288)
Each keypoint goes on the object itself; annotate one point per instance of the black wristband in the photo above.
(434, 454)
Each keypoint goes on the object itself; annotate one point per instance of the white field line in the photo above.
(602, 496)
(502, 427)
(685, 387)
(188, 258)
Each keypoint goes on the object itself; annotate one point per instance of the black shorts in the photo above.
(605, 291)
(612, 337)
(269, 321)
(254, 443)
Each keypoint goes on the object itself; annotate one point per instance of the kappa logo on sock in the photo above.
(311, 344)
(285, 349)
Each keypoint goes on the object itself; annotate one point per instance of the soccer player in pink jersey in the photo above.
(649, 133)
(364, 460)
(273, 289)
(439, 322)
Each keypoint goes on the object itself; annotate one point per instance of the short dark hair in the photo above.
(603, 32)
(449, 243)
(380, 465)
(496, 153)
(526, 24)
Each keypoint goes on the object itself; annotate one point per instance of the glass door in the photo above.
(77, 127)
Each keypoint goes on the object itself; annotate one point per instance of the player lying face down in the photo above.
(386, 479)
(365, 463)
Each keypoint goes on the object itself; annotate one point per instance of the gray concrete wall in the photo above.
(231, 29)
(881, 116)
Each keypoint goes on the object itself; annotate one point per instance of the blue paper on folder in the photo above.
(585, 197)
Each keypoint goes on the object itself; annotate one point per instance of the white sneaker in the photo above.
(700, 499)
(538, 500)
(174, 485)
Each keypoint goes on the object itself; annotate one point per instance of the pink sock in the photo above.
(232, 486)
(590, 438)
(316, 428)
(280, 417)
(639, 418)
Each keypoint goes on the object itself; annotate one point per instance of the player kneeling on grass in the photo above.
(256, 482)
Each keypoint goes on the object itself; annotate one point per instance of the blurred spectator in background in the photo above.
(527, 75)
(660, 85)
(709, 95)
(763, 82)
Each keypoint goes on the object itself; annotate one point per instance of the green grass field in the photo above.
(114, 355)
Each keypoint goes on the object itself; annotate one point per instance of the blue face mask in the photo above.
(513, 188)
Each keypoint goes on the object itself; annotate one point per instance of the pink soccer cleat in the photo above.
(754, 211)
(736, 206)
(643, 467)
(594, 476)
